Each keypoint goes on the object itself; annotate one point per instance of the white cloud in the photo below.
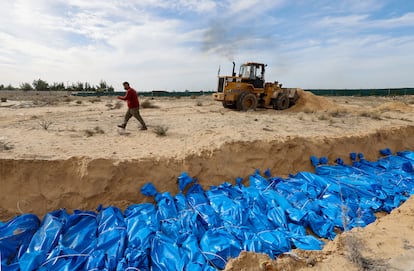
(406, 20)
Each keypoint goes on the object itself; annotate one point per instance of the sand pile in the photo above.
(309, 102)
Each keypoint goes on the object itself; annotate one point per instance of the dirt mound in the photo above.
(249, 261)
(309, 102)
(290, 261)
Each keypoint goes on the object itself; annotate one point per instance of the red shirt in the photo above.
(131, 97)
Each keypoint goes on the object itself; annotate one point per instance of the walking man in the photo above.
(133, 106)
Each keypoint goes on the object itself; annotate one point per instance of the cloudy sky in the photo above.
(180, 44)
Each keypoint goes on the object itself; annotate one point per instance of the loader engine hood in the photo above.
(224, 80)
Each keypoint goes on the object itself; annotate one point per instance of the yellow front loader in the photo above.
(247, 90)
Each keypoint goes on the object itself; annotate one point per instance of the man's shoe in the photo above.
(144, 128)
(121, 126)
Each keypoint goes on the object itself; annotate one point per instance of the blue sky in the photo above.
(180, 44)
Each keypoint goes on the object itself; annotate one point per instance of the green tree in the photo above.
(57, 86)
(77, 86)
(89, 87)
(9, 87)
(26, 86)
(1, 86)
(104, 87)
(40, 85)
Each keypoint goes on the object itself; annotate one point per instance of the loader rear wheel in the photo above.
(281, 102)
(246, 101)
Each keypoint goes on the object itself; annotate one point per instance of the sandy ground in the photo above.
(87, 126)
(59, 151)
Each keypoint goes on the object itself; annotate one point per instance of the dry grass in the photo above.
(94, 131)
(95, 100)
(324, 117)
(148, 104)
(161, 130)
(117, 105)
(338, 113)
(354, 247)
(199, 103)
(45, 124)
(5, 146)
(371, 114)
(67, 99)
(405, 119)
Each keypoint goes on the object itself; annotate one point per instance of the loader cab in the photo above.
(253, 73)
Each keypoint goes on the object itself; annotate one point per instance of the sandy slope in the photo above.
(82, 159)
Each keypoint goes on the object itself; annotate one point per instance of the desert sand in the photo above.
(59, 151)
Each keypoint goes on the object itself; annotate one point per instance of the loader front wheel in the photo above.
(226, 105)
(281, 102)
(246, 101)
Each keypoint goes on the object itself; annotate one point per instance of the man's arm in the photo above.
(124, 97)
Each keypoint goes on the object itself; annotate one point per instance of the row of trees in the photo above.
(42, 85)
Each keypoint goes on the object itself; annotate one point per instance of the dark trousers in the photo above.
(135, 113)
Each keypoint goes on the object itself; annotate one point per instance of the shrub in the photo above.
(161, 130)
(45, 124)
(95, 100)
(94, 131)
(148, 104)
(67, 99)
(354, 247)
(323, 117)
(338, 113)
(5, 146)
(372, 115)
(117, 105)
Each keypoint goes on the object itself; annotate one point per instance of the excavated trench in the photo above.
(41, 186)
